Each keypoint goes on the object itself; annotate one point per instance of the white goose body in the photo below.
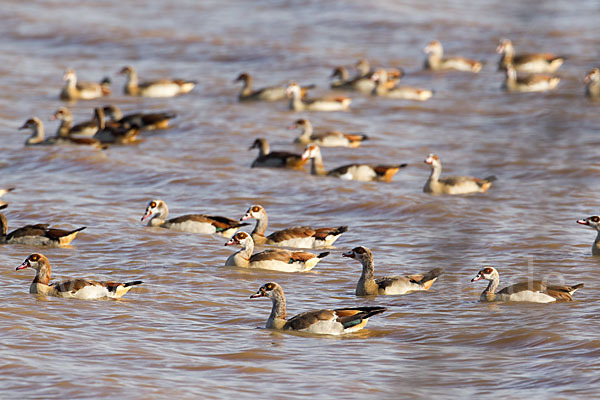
(525, 296)
(164, 89)
(276, 260)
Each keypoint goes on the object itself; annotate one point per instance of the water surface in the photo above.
(190, 331)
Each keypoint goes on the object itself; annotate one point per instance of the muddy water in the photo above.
(190, 331)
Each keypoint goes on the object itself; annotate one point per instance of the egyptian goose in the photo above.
(356, 172)
(297, 103)
(322, 322)
(277, 259)
(37, 137)
(272, 93)
(594, 223)
(342, 80)
(76, 288)
(326, 139)
(592, 81)
(145, 121)
(275, 159)
(74, 90)
(531, 291)
(436, 62)
(368, 286)
(114, 134)
(365, 71)
(399, 92)
(529, 83)
(453, 184)
(304, 237)
(36, 235)
(533, 63)
(157, 212)
(64, 115)
(158, 88)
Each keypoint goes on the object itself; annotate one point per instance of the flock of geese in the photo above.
(523, 73)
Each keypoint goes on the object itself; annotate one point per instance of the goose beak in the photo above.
(583, 222)
(146, 215)
(477, 278)
(245, 217)
(349, 254)
(23, 266)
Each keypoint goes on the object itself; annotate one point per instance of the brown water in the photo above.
(190, 331)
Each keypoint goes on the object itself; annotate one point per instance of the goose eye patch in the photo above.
(153, 204)
(595, 219)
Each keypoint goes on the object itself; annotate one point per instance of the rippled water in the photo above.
(190, 331)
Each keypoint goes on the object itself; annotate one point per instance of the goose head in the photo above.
(360, 253)
(63, 114)
(239, 239)
(36, 261)
(126, 70)
(256, 211)
(488, 273)
(592, 222)
(311, 151)
(155, 208)
(504, 46)
(434, 47)
(293, 89)
(592, 76)
(243, 77)
(270, 290)
(433, 160)
(69, 75)
(32, 123)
